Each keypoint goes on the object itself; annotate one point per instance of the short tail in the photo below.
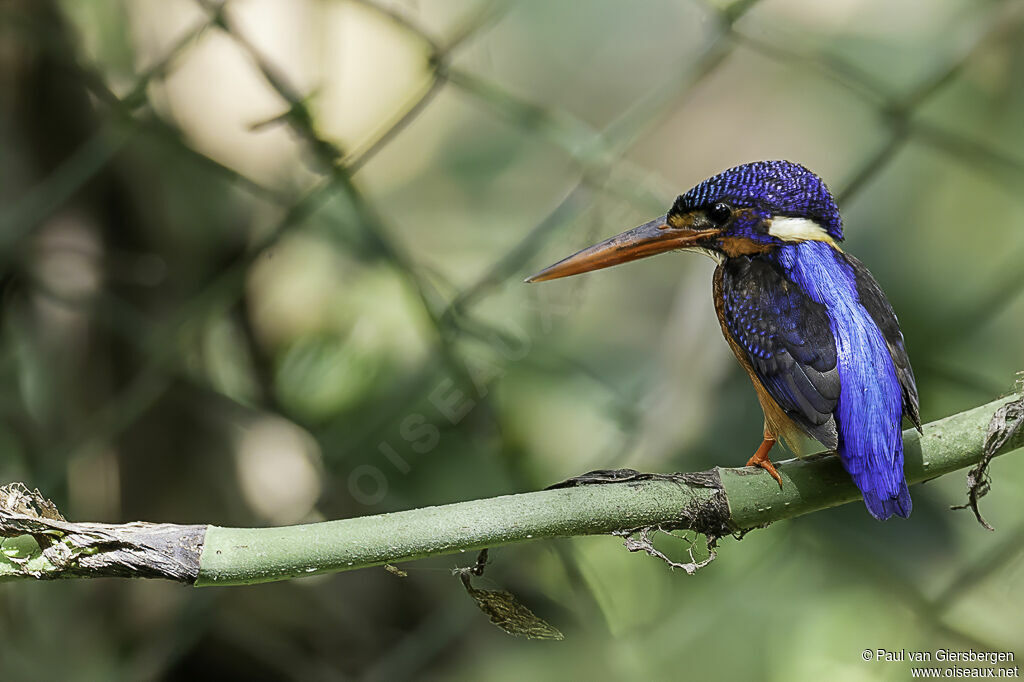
(882, 506)
(879, 477)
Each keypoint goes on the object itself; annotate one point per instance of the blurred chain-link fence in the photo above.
(191, 253)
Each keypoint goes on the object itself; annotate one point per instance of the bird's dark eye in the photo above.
(719, 213)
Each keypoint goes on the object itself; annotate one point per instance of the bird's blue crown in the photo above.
(776, 188)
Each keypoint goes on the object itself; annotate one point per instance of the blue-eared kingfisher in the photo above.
(805, 319)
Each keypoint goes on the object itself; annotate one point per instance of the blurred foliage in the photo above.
(261, 264)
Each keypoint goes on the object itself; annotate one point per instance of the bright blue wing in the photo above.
(874, 390)
(880, 310)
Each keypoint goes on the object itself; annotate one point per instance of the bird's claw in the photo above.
(767, 465)
(760, 459)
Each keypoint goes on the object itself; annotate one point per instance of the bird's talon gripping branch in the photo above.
(760, 459)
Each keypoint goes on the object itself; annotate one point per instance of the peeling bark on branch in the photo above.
(45, 546)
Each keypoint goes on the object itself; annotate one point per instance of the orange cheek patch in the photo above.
(741, 246)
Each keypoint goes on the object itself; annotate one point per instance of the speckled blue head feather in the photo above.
(778, 188)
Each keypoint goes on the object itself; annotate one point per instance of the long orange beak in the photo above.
(647, 240)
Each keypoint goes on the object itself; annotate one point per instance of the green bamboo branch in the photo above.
(41, 544)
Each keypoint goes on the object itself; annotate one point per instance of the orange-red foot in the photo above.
(760, 459)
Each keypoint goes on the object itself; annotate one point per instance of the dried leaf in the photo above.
(511, 615)
(503, 608)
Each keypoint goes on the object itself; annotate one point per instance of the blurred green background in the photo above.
(261, 264)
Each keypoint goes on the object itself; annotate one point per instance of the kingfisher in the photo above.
(806, 320)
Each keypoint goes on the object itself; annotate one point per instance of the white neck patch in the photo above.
(798, 230)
